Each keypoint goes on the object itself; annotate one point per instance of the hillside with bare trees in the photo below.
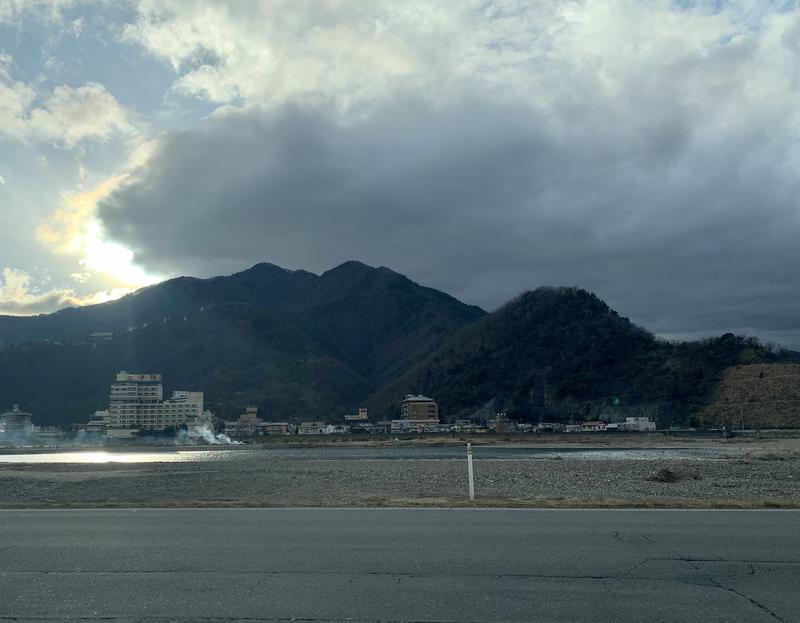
(755, 396)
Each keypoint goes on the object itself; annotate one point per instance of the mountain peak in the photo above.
(350, 267)
(557, 300)
(265, 268)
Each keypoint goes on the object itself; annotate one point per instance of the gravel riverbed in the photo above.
(746, 475)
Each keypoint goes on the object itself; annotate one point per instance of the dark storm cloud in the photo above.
(683, 230)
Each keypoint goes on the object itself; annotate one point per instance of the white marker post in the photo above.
(469, 472)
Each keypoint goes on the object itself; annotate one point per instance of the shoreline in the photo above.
(554, 441)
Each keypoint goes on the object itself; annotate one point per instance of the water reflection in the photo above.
(394, 453)
(102, 457)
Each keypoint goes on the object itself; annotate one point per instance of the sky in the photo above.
(646, 150)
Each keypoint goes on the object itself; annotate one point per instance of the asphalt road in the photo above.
(399, 565)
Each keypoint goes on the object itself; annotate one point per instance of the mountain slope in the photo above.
(305, 346)
(561, 353)
(263, 285)
(379, 320)
(237, 354)
(297, 344)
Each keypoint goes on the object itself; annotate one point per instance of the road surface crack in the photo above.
(755, 602)
(638, 565)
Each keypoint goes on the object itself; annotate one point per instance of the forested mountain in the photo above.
(237, 354)
(304, 346)
(297, 344)
(264, 285)
(555, 354)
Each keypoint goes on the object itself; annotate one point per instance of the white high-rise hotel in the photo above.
(136, 404)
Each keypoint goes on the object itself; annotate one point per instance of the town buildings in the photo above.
(248, 424)
(419, 408)
(136, 404)
(361, 416)
(631, 424)
(98, 422)
(593, 426)
(419, 414)
(276, 428)
(312, 428)
(499, 423)
(417, 426)
(337, 429)
(638, 424)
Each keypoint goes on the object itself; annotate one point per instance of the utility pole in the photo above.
(470, 474)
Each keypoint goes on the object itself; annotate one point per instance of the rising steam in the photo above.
(203, 434)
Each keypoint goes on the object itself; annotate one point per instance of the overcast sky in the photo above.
(647, 150)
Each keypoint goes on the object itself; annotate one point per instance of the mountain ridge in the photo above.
(559, 353)
(264, 284)
(276, 331)
(307, 346)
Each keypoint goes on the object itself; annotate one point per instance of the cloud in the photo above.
(645, 149)
(72, 115)
(73, 229)
(270, 53)
(66, 116)
(276, 51)
(15, 100)
(17, 297)
(66, 229)
(50, 10)
(482, 199)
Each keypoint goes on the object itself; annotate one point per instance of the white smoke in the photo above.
(203, 434)
(15, 439)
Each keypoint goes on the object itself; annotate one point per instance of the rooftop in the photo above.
(15, 411)
(417, 398)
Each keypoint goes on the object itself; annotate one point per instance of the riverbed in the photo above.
(756, 475)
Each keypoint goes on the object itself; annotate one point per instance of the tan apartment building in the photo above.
(248, 424)
(361, 416)
(419, 408)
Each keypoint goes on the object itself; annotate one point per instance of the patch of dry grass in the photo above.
(673, 475)
(785, 450)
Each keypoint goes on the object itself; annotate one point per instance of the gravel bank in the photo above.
(260, 479)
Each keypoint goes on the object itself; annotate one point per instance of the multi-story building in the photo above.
(248, 424)
(361, 416)
(276, 428)
(136, 404)
(15, 422)
(312, 428)
(419, 408)
(98, 422)
(638, 424)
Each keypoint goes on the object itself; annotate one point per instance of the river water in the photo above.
(395, 453)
